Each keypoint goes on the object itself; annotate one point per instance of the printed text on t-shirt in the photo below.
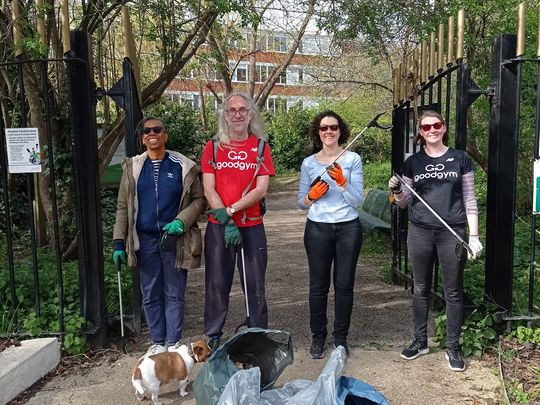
(434, 172)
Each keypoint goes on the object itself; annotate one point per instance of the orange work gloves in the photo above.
(336, 173)
(317, 190)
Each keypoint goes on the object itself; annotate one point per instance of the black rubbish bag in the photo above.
(269, 349)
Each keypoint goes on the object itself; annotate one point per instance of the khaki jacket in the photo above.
(192, 205)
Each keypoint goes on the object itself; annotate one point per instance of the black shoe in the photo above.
(455, 362)
(344, 344)
(316, 351)
(213, 343)
(417, 348)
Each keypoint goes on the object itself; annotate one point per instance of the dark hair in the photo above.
(419, 139)
(344, 132)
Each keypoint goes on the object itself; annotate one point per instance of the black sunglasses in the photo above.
(157, 130)
(324, 128)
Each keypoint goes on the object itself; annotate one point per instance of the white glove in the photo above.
(476, 248)
(394, 185)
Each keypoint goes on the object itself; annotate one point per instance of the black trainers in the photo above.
(213, 343)
(344, 344)
(316, 351)
(417, 348)
(455, 362)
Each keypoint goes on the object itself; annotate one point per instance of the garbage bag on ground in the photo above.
(266, 350)
(329, 388)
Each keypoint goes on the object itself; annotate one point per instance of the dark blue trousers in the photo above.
(424, 245)
(163, 287)
(220, 264)
(325, 244)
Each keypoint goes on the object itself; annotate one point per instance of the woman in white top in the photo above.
(333, 233)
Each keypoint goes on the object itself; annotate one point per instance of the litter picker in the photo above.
(459, 238)
(246, 322)
(124, 342)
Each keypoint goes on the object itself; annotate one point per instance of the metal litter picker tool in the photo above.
(372, 123)
(246, 322)
(124, 342)
(459, 238)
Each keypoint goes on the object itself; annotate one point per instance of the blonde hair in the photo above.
(255, 127)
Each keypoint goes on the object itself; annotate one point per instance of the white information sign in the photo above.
(23, 150)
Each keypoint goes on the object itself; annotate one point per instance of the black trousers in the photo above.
(325, 244)
(220, 263)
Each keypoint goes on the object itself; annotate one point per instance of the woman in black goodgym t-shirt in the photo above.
(444, 178)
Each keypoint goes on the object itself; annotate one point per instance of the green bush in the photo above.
(288, 135)
(376, 175)
(478, 332)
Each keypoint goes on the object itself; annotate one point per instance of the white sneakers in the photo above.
(155, 349)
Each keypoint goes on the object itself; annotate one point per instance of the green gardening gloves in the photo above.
(119, 254)
(232, 235)
(175, 227)
(220, 215)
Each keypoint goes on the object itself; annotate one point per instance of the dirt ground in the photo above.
(381, 326)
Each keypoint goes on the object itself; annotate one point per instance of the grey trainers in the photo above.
(417, 348)
(455, 362)
(155, 349)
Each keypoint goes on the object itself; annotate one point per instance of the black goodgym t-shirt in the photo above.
(439, 182)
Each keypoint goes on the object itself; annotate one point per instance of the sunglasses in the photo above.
(157, 130)
(427, 127)
(324, 128)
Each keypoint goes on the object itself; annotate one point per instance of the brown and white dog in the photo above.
(176, 364)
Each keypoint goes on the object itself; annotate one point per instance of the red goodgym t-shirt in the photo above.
(235, 167)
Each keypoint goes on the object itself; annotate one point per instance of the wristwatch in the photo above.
(232, 210)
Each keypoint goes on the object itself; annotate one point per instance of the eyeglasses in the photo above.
(324, 128)
(242, 111)
(427, 127)
(157, 130)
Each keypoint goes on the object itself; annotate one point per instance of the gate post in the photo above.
(502, 164)
(85, 153)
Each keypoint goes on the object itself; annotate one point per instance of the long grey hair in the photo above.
(255, 127)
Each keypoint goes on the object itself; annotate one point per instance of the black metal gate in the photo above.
(71, 137)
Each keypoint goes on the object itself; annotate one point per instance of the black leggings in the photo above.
(326, 244)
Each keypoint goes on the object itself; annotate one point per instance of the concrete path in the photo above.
(381, 326)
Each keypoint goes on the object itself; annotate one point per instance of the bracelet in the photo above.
(473, 235)
(395, 193)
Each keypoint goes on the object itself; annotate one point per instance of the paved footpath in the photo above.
(381, 326)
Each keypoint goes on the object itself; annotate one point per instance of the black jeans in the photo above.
(424, 245)
(326, 244)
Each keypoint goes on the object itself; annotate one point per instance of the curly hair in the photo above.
(419, 139)
(256, 125)
(344, 131)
